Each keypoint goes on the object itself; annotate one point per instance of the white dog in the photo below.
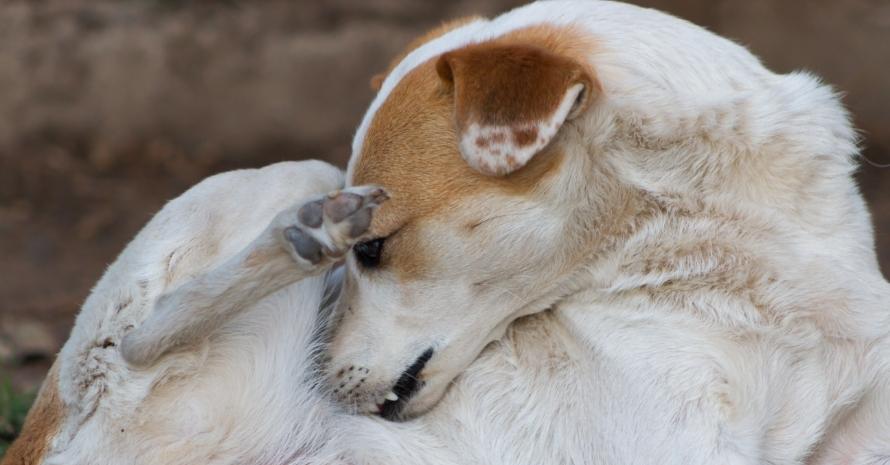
(612, 237)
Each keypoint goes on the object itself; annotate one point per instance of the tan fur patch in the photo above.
(411, 149)
(41, 424)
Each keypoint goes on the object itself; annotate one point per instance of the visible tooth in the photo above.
(391, 396)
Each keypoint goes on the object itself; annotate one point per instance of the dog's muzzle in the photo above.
(406, 386)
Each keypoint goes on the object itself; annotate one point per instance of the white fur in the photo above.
(751, 174)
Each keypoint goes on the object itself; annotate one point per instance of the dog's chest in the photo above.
(646, 383)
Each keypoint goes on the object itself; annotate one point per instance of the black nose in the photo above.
(406, 386)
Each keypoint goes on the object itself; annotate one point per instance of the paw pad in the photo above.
(328, 226)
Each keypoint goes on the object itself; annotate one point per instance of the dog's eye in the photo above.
(368, 253)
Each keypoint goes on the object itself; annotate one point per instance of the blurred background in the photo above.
(110, 108)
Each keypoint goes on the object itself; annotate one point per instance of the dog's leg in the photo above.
(300, 242)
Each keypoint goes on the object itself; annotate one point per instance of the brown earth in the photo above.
(110, 108)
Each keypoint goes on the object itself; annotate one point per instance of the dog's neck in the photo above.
(678, 251)
(638, 225)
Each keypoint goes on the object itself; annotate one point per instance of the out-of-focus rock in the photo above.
(6, 352)
(26, 340)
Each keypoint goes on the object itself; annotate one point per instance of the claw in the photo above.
(379, 195)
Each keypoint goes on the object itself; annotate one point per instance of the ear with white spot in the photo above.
(511, 100)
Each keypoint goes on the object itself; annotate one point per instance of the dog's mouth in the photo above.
(406, 386)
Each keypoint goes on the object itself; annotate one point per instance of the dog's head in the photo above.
(480, 149)
(523, 156)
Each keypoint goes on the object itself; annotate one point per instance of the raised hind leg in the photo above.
(301, 241)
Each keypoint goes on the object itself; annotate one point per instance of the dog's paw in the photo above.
(327, 227)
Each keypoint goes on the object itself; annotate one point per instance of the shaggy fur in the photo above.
(689, 277)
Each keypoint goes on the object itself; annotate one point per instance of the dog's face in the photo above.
(475, 150)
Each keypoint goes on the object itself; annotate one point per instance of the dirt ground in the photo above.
(111, 108)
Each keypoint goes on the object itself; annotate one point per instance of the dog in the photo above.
(683, 214)
(600, 234)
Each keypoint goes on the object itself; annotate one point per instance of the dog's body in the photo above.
(681, 237)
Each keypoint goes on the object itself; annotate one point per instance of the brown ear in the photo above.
(510, 101)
